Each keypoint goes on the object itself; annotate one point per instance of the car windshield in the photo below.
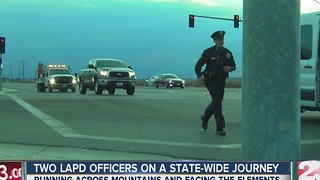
(170, 76)
(108, 63)
(59, 71)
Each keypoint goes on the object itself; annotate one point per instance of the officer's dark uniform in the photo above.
(215, 59)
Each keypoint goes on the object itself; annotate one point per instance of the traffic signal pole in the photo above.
(192, 17)
(210, 17)
(2, 51)
(1, 66)
(271, 81)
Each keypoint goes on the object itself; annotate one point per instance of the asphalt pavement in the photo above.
(154, 124)
(12, 152)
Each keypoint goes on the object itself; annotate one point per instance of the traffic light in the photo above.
(236, 20)
(191, 21)
(2, 45)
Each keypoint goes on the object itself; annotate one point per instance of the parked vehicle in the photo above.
(109, 74)
(169, 81)
(150, 80)
(309, 62)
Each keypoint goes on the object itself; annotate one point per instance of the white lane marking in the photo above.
(9, 90)
(159, 142)
(310, 141)
(65, 131)
(50, 121)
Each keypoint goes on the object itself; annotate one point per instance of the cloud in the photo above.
(172, 1)
(307, 6)
(214, 3)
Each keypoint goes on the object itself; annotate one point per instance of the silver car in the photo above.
(150, 80)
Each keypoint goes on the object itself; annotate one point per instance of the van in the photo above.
(310, 62)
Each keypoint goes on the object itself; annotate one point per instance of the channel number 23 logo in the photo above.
(309, 170)
(14, 174)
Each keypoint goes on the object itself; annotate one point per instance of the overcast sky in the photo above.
(150, 35)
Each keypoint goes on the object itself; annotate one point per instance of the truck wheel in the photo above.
(130, 91)
(97, 88)
(73, 89)
(111, 91)
(82, 89)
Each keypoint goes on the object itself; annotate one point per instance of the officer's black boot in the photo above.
(220, 132)
(204, 123)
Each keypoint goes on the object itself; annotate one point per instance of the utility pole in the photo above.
(23, 62)
(271, 112)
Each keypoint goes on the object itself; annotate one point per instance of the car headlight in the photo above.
(132, 74)
(74, 81)
(52, 81)
(103, 73)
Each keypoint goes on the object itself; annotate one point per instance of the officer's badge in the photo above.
(228, 55)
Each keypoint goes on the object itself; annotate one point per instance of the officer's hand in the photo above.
(201, 80)
(226, 68)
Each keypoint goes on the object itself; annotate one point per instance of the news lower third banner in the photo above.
(172, 170)
(11, 170)
(167, 170)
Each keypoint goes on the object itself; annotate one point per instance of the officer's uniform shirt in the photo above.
(215, 59)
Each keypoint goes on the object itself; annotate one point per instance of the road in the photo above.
(160, 121)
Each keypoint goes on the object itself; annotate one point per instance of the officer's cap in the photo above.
(218, 35)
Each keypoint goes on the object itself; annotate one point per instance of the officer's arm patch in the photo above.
(228, 55)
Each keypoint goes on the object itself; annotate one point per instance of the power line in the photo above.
(317, 1)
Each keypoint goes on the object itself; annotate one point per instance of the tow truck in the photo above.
(55, 77)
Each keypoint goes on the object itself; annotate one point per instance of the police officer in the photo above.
(219, 62)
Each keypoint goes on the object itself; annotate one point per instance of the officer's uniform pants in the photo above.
(215, 86)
